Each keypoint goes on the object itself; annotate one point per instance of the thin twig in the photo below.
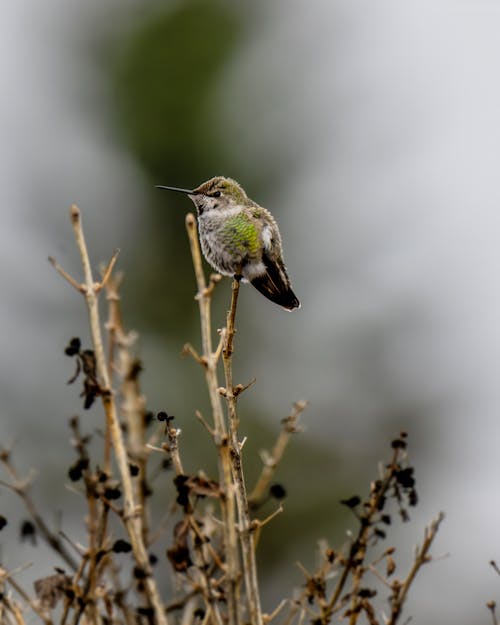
(173, 447)
(247, 538)
(6, 576)
(113, 325)
(203, 421)
(422, 556)
(492, 607)
(269, 617)
(15, 611)
(76, 285)
(271, 462)
(189, 350)
(21, 488)
(108, 270)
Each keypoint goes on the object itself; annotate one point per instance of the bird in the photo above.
(239, 238)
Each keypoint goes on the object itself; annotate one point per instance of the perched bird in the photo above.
(240, 238)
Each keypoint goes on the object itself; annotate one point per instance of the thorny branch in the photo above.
(246, 534)
(131, 516)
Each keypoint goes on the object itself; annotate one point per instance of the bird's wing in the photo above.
(275, 285)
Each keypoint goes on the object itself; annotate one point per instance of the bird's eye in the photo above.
(216, 194)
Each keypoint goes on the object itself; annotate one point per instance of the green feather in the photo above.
(241, 234)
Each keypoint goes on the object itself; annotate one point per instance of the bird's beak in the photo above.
(186, 191)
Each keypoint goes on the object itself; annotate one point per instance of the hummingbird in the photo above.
(240, 238)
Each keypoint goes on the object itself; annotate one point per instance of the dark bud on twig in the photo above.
(73, 347)
(135, 370)
(147, 491)
(139, 573)
(3, 522)
(381, 503)
(398, 443)
(76, 470)
(199, 613)
(85, 362)
(74, 473)
(103, 476)
(90, 397)
(28, 532)
(277, 491)
(100, 555)
(405, 477)
(179, 558)
(163, 416)
(315, 587)
(112, 493)
(182, 490)
(153, 559)
(121, 546)
(330, 555)
(352, 502)
(134, 470)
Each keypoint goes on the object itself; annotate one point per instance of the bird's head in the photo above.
(216, 194)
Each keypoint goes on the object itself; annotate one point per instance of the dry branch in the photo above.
(132, 514)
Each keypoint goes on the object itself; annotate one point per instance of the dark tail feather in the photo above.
(275, 286)
(285, 298)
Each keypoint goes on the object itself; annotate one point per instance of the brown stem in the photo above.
(271, 461)
(246, 534)
(421, 557)
(21, 488)
(359, 545)
(228, 512)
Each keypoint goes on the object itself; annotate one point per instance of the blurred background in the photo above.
(372, 131)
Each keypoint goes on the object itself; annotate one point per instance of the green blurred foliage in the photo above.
(165, 74)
